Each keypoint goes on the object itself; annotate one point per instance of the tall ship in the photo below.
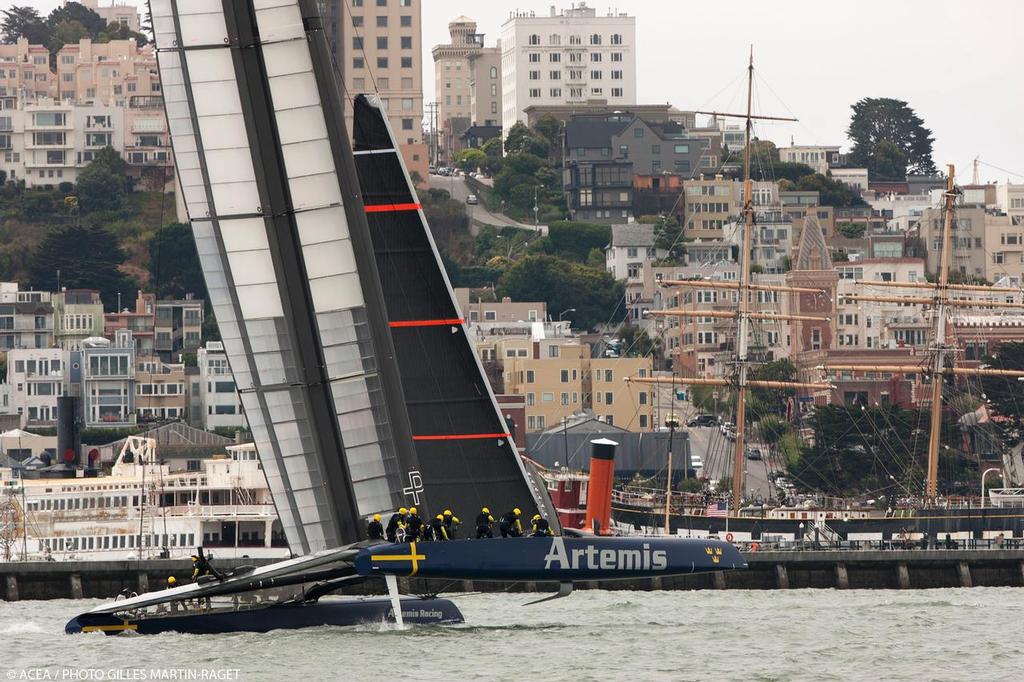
(354, 367)
(143, 510)
(924, 516)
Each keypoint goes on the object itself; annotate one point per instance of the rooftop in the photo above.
(633, 234)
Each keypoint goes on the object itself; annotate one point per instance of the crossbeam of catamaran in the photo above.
(935, 285)
(727, 314)
(716, 381)
(921, 300)
(718, 284)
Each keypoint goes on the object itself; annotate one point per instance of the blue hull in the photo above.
(344, 612)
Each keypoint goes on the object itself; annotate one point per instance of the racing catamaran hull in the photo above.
(328, 611)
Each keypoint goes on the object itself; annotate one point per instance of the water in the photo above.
(947, 634)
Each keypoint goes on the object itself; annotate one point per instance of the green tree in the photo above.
(66, 33)
(522, 140)
(562, 284)
(92, 22)
(1006, 394)
(471, 159)
(889, 162)
(87, 257)
(881, 119)
(774, 400)
(104, 184)
(174, 267)
(831, 192)
(575, 241)
(21, 21)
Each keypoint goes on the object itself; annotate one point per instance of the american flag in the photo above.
(720, 509)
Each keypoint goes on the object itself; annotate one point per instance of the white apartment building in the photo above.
(855, 178)
(107, 372)
(569, 57)
(220, 404)
(37, 376)
(1010, 199)
(872, 324)
(818, 157)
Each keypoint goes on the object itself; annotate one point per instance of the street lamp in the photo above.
(567, 310)
(536, 207)
(985, 473)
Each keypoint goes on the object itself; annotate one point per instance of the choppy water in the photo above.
(948, 634)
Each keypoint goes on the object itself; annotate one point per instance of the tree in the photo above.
(87, 257)
(66, 33)
(174, 267)
(92, 22)
(1005, 394)
(889, 162)
(774, 400)
(522, 140)
(830, 192)
(881, 119)
(470, 159)
(105, 182)
(575, 241)
(562, 284)
(22, 22)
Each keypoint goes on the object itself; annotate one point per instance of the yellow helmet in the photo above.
(403, 510)
(171, 580)
(456, 519)
(412, 510)
(490, 518)
(447, 512)
(536, 516)
(516, 511)
(376, 517)
(485, 510)
(440, 517)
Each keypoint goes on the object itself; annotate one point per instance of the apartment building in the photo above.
(106, 372)
(26, 318)
(37, 377)
(567, 57)
(485, 87)
(872, 324)
(77, 315)
(111, 72)
(452, 78)
(615, 401)
(160, 390)
(986, 243)
(177, 328)
(377, 44)
(139, 320)
(220, 406)
(631, 246)
(709, 203)
(25, 71)
(821, 158)
(1010, 200)
(117, 12)
(505, 310)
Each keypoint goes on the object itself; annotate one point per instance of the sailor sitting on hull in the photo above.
(510, 525)
(413, 526)
(541, 527)
(484, 521)
(451, 522)
(375, 529)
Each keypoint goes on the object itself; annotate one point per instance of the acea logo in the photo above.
(591, 558)
(715, 553)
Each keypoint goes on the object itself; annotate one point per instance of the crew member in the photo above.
(438, 529)
(171, 582)
(448, 516)
(397, 519)
(375, 529)
(541, 527)
(510, 525)
(453, 528)
(484, 521)
(427, 533)
(201, 566)
(413, 526)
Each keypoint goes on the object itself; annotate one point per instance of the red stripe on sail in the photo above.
(427, 323)
(463, 436)
(384, 208)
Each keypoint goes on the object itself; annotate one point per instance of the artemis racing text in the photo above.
(594, 559)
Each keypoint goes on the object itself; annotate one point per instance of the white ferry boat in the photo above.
(144, 510)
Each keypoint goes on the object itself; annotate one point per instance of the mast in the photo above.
(743, 316)
(940, 349)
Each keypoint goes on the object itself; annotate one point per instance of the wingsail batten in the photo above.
(261, 186)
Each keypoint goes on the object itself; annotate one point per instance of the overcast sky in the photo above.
(958, 64)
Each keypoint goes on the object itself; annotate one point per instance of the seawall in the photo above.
(890, 569)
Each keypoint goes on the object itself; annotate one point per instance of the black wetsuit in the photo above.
(450, 527)
(413, 526)
(438, 529)
(374, 530)
(510, 526)
(483, 526)
(392, 530)
(541, 528)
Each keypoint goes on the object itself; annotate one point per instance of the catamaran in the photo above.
(353, 364)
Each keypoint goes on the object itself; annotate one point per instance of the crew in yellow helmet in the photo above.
(375, 529)
(447, 518)
(509, 524)
(413, 526)
(437, 528)
(484, 521)
(396, 522)
(541, 527)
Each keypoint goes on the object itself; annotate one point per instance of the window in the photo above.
(595, 56)
(552, 351)
(382, 42)
(405, 21)
(406, 124)
(616, 92)
(357, 42)
(382, 62)
(490, 315)
(406, 42)
(535, 75)
(534, 39)
(534, 92)
(357, 62)
(553, 75)
(406, 62)
(535, 57)
(357, 22)
(595, 75)
(595, 39)
(555, 57)
(556, 92)
(494, 72)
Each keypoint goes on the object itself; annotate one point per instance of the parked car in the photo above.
(754, 454)
(702, 420)
(472, 200)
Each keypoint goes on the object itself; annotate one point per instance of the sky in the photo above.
(957, 64)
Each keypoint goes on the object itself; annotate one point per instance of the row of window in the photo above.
(384, 3)
(575, 93)
(100, 542)
(578, 75)
(592, 39)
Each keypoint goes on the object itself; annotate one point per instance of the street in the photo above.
(459, 190)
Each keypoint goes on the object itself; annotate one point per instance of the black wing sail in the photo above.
(463, 447)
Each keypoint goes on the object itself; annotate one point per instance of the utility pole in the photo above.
(432, 108)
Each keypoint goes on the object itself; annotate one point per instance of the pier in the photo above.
(768, 570)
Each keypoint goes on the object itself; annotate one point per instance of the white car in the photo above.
(696, 462)
(472, 200)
